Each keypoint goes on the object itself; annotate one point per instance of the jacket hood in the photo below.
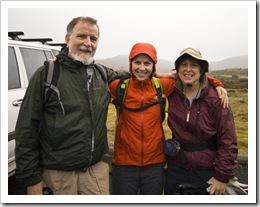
(143, 48)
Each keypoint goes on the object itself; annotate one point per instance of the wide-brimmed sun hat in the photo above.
(195, 53)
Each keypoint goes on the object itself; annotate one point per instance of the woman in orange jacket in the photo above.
(139, 160)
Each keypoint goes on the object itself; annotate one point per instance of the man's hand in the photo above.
(36, 189)
(52, 59)
(222, 93)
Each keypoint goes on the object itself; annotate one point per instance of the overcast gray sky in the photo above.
(219, 30)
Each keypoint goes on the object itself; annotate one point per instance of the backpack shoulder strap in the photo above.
(158, 86)
(103, 73)
(162, 98)
(50, 78)
(121, 90)
(50, 82)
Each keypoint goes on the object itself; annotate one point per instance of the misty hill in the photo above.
(233, 62)
(121, 63)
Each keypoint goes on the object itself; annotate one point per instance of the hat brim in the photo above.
(182, 57)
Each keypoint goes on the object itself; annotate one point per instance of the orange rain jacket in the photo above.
(139, 135)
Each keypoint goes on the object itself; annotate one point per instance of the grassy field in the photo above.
(238, 99)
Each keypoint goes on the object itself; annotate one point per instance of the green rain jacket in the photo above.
(72, 139)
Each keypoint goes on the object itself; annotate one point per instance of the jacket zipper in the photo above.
(89, 77)
(197, 119)
(142, 125)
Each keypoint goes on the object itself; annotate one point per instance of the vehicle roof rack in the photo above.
(42, 40)
(58, 44)
(14, 35)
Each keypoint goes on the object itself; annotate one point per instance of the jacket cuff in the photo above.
(223, 178)
(33, 181)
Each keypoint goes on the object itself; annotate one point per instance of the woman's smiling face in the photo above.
(189, 71)
(142, 67)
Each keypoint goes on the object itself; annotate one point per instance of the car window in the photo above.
(33, 59)
(13, 72)
(55, 52)
(48, 55)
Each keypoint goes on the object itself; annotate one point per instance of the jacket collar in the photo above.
(205, 86)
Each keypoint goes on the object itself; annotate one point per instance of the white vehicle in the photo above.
(24, 57)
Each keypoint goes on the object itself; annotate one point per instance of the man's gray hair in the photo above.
(74, 21)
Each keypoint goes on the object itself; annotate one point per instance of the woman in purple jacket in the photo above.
(203, 131)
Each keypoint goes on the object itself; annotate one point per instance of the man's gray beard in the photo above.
(81, 58)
